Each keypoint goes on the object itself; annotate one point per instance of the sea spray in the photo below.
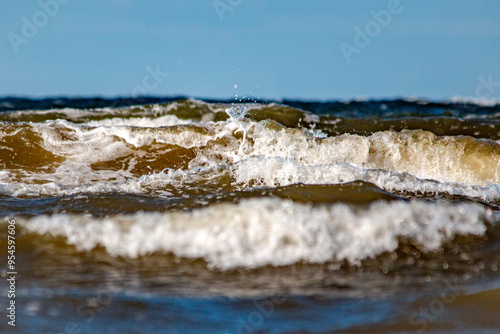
(237, 116)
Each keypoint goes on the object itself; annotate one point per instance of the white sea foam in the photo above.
(256, 153)
(483, 102)
(275, 171)
(147, 111)
(267, 231)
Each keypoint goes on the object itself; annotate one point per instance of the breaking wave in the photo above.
(259, 232)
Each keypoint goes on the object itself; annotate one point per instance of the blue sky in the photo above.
(269, 49)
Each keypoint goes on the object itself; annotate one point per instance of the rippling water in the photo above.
(291, 217)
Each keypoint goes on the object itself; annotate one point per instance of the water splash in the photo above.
(237, 115)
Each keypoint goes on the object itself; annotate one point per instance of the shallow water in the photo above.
(292, 217)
